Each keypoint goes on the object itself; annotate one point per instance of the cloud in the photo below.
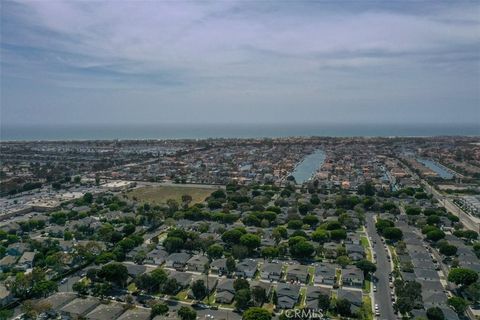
(206, 50)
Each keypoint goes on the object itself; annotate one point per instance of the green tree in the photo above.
(158, 309)
(462, 276)
(186, 313)
(343, 261)
(435, 235)
(240, 284)
(215, 251)
(251, 241)
(80, 287)
(199, 289)
(173, 244)
(448, 249)
(342, 306)
(114, 272)
(323, 302)
(302, 250)
(393, 233)
(458, 304)
(256, 313)
(366, 266)
(259, 296)
(435, 313)
(242, 298)
(230, 264)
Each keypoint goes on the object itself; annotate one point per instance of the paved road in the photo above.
(67, 286)
(382, 296)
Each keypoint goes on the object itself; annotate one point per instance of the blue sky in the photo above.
(86, 62)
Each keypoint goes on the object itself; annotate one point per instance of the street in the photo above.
(382, 296)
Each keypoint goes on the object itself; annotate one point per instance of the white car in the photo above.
(376, 306)
(374, 288)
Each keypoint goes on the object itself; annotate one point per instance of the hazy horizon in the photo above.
(239, 62)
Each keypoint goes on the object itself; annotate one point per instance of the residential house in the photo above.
(352, 276)
(26, 260)
(287, 295)
(225, 291)
(271, 271)
(178, 261)
(79, 307)
(157, 257)
(354, 296)
(297, 273)
(311, 299)
(197, 263)
(109, 311)
(325, 273)
(246, 268)
(219, 266)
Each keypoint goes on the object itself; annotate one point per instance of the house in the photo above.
(271, 271)
(225, 291)
(58, 300)
(297, 273)
(138, 313)
(197, 263)
(246, 268)
(178, 261)
(6, 297)
(183, 278)
(354, 296)
(219, 266)
(109, 311)
(355, 252)
(325, 273)
(210, 285)
(157, 257)
(352, 276)
(26, 260)
(268, 287)
(8, 262)
(134, 270)
(16, 249)
(287, 295)
(312, 295)
(79, 307)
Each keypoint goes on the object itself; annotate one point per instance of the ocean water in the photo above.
(189, 131)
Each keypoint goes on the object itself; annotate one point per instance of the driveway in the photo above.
(382, 296)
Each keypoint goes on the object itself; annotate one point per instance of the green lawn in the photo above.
(366, 309)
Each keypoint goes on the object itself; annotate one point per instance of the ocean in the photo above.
(195, 131)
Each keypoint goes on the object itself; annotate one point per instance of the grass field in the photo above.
(160, 194)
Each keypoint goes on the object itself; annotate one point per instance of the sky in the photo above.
(149, 62)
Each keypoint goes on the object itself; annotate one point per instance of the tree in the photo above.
(435, 235)
(258, 295)
(393, 233)
(342, 307)
(80, 287)
(458, 304)
(343, 261)
(270, 252)
(338, 234)
(242, 298)
(473, 292)
(44, 288)
(128, 229)
(302, 250)
(240, 284)
(173, 244)
(199, 290)
(186, 313)
(215, 251)
(366, 266)
(101, 289)
(462, 276)
(435, 313)
(320, 235)
(158, 309)
(114, 272)
(323, 302)
(256, 313)
(233, 236)
(448, 249)
(171, 286)
(311, 220)
(230, 264)
(251, 241)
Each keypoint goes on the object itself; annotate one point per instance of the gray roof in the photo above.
(106, 312)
